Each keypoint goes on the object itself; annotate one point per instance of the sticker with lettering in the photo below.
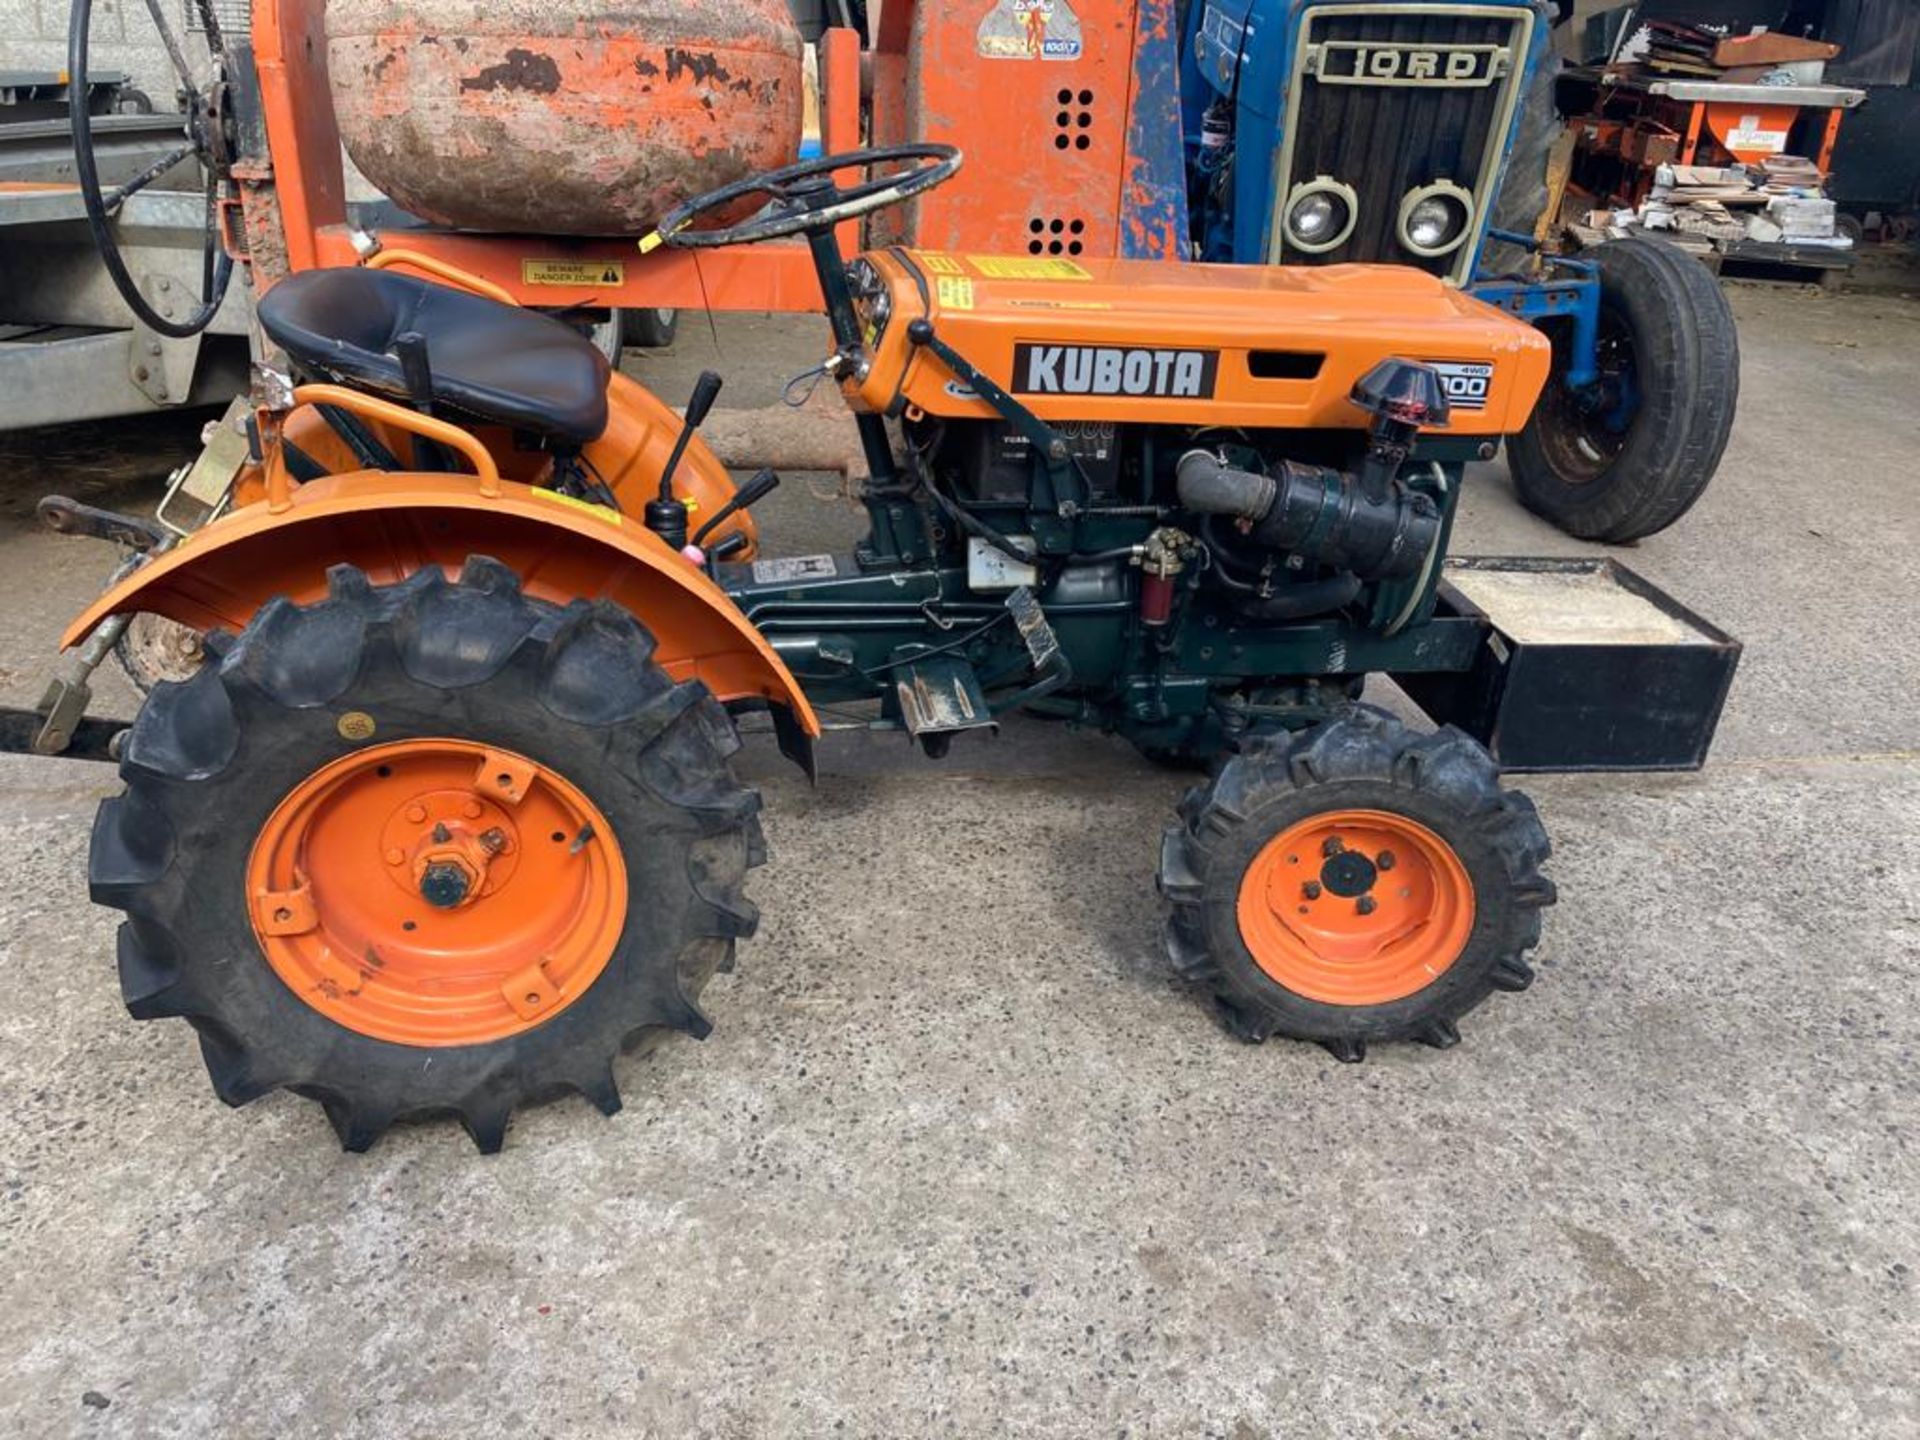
(1029, 30)
(1027, 267)
(1114, 370)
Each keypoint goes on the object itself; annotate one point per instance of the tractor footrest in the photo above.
(941, 695)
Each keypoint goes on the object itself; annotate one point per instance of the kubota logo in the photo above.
(1113, 370)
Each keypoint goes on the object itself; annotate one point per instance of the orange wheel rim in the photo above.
(1356, 907)
(437, 892)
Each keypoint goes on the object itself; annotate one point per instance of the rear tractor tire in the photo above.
(429, 848)
(1353, 883)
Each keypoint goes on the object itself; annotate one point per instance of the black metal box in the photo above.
(1585, 666)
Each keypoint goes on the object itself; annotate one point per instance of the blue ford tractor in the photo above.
(1417, 133)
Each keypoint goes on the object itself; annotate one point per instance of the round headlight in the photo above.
(1320, 215)
(1435, 218)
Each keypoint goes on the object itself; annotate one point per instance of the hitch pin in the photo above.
(580, 840)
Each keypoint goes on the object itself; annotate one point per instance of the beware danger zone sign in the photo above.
(588, 273)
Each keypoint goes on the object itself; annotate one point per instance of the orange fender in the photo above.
(391, 525)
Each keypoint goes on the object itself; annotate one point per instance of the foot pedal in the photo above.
(942, 696)
(1031, 621)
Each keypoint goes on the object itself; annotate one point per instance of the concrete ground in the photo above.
(962, 1159)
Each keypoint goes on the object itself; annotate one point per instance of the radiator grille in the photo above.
(1385, 137)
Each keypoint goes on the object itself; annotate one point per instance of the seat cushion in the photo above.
(490, 361)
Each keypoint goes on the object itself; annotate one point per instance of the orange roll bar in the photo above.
(279, 495)
(440, 270)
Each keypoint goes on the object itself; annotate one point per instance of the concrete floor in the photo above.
(960, 1157)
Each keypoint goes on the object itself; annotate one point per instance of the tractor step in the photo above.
(941, 695)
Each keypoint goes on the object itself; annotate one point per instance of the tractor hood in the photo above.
(1150, 342)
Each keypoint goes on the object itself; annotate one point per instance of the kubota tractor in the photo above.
(447, 818)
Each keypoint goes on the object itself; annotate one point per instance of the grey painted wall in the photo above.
(33, 36)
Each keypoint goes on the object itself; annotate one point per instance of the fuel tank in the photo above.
(535, 117)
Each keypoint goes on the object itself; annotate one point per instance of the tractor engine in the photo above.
(1280, 537)
(1281, 443)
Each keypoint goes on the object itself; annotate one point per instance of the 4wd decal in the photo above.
(1466, 382)
(1114, 370)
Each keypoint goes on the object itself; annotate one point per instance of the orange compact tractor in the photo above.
(446, 819)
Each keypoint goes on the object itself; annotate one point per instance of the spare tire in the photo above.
(1625, 458)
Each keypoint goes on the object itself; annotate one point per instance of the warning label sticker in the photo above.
(955, 291)
(789, 568)
(573, 272)
(1022, 267)
(937, 264)
(599, 512)
(1054, 303)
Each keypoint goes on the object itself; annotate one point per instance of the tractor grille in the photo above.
(1372, 105)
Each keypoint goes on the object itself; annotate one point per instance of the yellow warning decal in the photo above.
(587, 273)
(599, 512)
(955, 291)
(1020, 267)
(1051, 303)
(934, 263)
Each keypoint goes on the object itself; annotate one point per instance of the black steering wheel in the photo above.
(206, 138)
(804, 200)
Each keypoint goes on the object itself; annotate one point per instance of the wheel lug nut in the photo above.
(1311, 889)
(1333, 846)
(1365, 905)
(416, 814)
(471, 809)
(1385, 860)
(396, 856)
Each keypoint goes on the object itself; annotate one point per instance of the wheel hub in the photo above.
(504, 894)
(1356, 907)
(1348, 873)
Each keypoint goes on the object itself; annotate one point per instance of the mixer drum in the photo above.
(518, 115)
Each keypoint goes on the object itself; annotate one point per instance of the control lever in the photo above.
(664, 515)
(705, 391)
(751, 493)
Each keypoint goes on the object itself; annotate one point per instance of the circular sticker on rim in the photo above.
(356, 725)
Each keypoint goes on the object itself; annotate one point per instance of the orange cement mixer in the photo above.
(521, 116)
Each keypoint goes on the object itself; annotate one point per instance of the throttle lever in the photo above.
(751, 493)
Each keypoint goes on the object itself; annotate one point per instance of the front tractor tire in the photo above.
(1353, 883)
(1626, 458)
(430, 848)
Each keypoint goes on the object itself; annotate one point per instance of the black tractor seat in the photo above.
(490, 362)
